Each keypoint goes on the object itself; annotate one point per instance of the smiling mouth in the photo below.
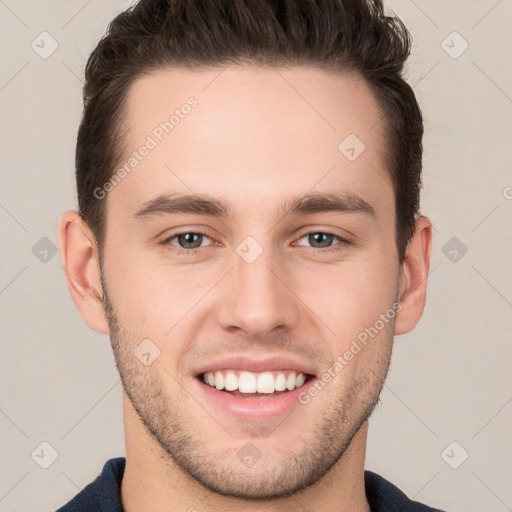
(245, 384)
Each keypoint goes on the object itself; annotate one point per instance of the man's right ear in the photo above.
(79, 257)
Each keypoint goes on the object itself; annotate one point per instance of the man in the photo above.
(249, 237)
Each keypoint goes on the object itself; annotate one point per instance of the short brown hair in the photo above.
(331, 35)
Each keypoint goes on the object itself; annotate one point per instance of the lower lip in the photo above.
(249, 409)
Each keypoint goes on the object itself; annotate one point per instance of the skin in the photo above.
(254, 142)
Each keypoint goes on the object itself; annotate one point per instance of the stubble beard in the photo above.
(221, 472)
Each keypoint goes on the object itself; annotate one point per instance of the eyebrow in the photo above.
(201, 204)
(183, 203)
(347, 202)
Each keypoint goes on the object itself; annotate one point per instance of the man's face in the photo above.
(257, 284)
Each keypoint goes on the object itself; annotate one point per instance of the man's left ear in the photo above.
(413, 277)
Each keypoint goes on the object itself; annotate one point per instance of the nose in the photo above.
(258, 298)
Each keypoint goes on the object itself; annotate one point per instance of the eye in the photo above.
(322, 240)
(187, 242)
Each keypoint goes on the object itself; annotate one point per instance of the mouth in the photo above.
(251, 390)
(250, 385)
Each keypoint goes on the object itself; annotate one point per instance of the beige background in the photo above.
(450, 378)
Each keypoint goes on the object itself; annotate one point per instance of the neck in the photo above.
(152, 481)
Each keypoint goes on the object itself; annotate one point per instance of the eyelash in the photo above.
(191, 252)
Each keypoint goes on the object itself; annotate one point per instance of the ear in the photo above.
(79, 255)
(413, 277)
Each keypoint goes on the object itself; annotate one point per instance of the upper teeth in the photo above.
(249, 382)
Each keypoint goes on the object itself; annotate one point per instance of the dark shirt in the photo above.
(103, 495)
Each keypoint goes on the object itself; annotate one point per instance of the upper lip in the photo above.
(253, 364)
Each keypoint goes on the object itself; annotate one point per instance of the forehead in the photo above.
(250, 134)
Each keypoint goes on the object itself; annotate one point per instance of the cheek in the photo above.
(350, 302)
(349, 297)
(147, 292)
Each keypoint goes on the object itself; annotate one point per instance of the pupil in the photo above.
(190, 240)
(322, 239)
